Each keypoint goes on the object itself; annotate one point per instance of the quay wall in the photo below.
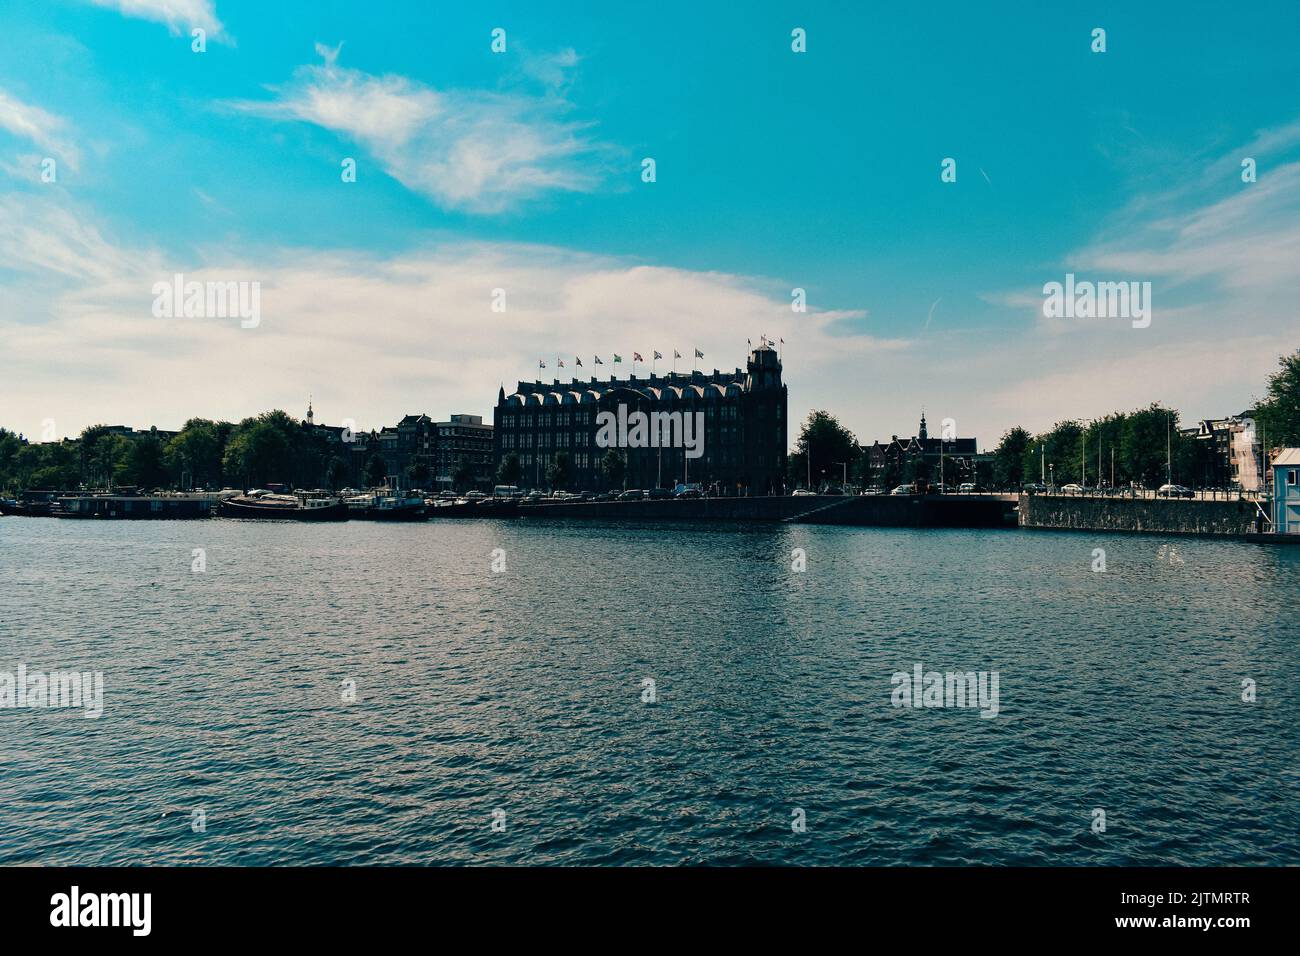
(1157, 515)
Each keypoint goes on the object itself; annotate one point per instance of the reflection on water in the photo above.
(521, 692)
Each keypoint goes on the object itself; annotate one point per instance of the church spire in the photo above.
(311, 417)
(922, 434)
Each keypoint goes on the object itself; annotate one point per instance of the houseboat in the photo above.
(264, 504)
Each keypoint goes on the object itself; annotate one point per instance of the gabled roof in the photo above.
(1288, 456)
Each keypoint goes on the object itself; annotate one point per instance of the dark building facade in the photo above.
(464, 442)
(922, 456)
(741, 446)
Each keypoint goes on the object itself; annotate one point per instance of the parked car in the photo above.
(1174, 491)
(1073, 488)
(800, 492)
(632, 494)
(832, 490)
(902, 490)
(1035, 488)
(872, 490)
(966, 488)
(689, 493)
(658, 494)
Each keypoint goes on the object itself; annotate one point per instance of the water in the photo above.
(521, 692)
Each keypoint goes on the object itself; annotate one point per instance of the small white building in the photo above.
(1286, 491)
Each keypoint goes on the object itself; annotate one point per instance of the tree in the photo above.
(336, 473)
(418, 473)
(1143, 444)
(462, 477)
(1278, 416)
(193, 456)
(614, 467)
(266, 449)
(829, 445)
(10, 445)
(144, 462)
(376, 472)
(559, 470)
(509, 472)
(1009, 458)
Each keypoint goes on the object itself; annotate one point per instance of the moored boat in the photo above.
(178, 506)
(269, 505)
(389, 506)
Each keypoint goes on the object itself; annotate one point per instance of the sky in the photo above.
(523, 171)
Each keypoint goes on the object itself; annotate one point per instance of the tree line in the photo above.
(271, 447)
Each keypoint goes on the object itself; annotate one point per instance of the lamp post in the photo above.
(1052, 486)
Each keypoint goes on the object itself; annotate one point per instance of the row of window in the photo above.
(547, 417)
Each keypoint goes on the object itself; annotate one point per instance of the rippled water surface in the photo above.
(522, 692)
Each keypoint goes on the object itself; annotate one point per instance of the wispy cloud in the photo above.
(43, 129)
(477, 151)
(439, 346)
(178, 15)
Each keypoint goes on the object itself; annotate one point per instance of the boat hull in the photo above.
(403, 513)
(239, 509)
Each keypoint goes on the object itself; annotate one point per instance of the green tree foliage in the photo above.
(509, 472)
(376, 472)
(462, 476)
(614, 467)
(194, 456)
(418, 474)
(144, 462)
(1278, 415)
(265, 450)
(559, 471)
(336, 473)
(1008, 465)
(829, 445)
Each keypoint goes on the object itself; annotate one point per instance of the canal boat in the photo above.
(172, 507)
(265, 504)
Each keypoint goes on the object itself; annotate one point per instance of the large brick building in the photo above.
(741, 447)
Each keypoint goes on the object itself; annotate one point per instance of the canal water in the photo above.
(548, 692)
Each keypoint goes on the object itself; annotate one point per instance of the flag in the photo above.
(578, 361)
(561, 362)
(659, 355)
(699, 354)
(676, 354)
(749, 342)
(598, 361)
(783, 341)
(617, 357)
(636, 357)
(541, 364)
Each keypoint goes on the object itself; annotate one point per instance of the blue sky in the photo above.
(521, 170)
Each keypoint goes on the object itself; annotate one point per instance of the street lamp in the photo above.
(1052, 468)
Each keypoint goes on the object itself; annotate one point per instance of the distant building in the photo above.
(923, 456)
(1230, 454)
(464, 440)
(1286, 491)
(741, 450)
(417, 452)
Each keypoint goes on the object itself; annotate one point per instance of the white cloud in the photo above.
(34, 124)
(178, 15)
(477, 151)
(370, 337)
